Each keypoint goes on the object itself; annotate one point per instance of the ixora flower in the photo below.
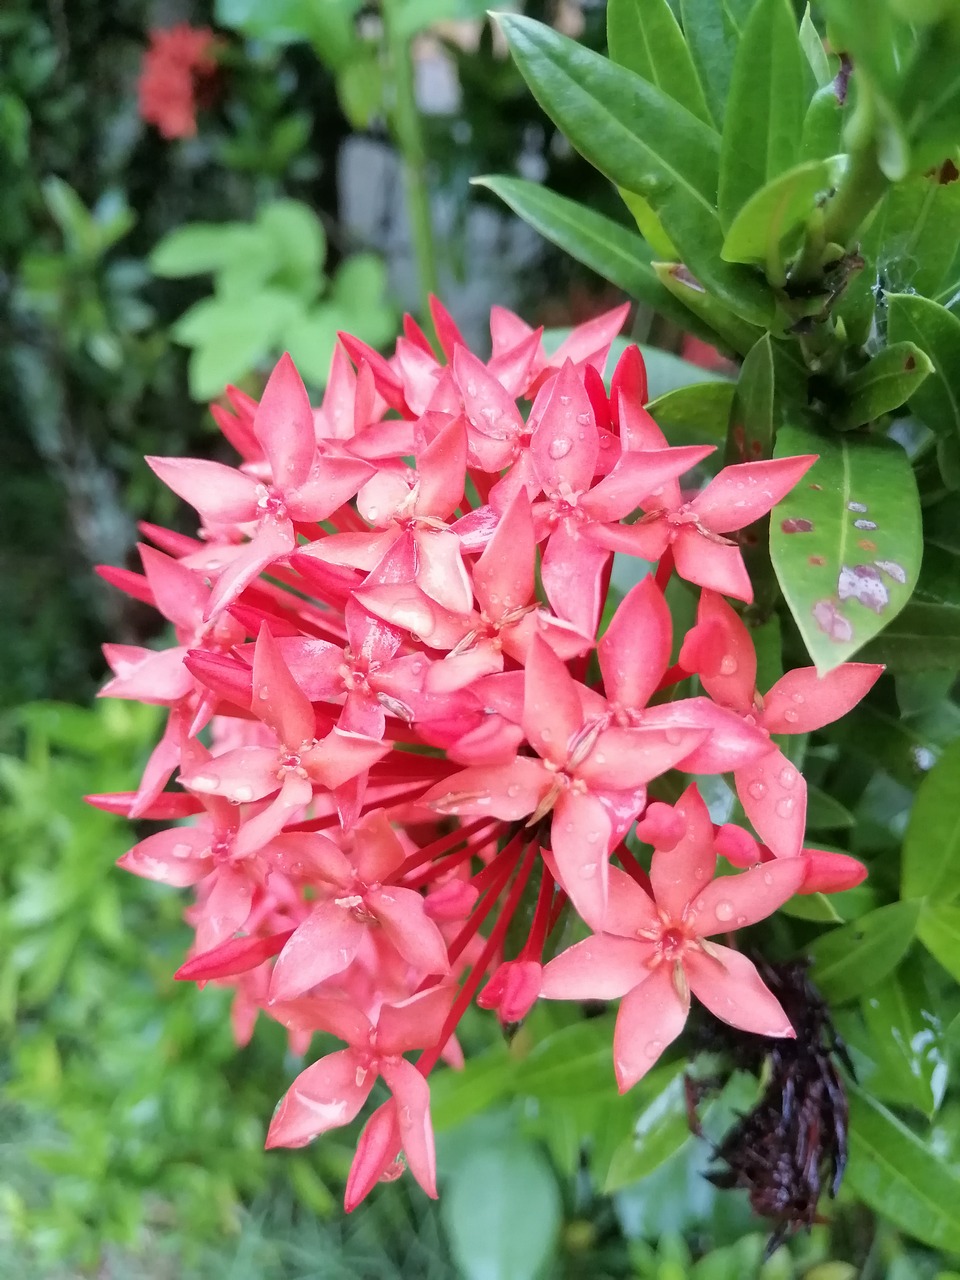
(177, 73)
(417, 732)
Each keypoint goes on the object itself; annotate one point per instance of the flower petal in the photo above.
(412, 1094)
(732, 989)
(503, 577)
(802, 701)
(325, 1096)
(508, 791)
(377, 1150)
(600, 968)
(626, 759)
(415, 1023)
(728, 742)
(405, 922)
(572, 572)
(565, 443)
(179, 856)
(552, 712)
(733, 902)
(283, 424)
(740, 494)
(323, 945)
(720, 650)
(221, 494)
(678, 874)
(277, 698)
(718, 566)
(580, 836)
(774, 797)
(635, 650)
(651, 1017)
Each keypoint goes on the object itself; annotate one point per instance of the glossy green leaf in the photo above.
(752, 415)
(502, 1211)
(652, 146)
(900, 1176)
(905, 1041)
(936, 331)
(931, 846)
(939, 931)
(846, 542)
(766, 106)
(814, 51)
(694, 415)
(850, 960)
(824, 813)
(730, 329)
(645, 37)
(612, 250)
(712, 29)
(822, 127)
(915, 236)
(780, 209)
(834, 908)
(648, 224)
(924, 637)
(203, 246)
(888, 381)
(659, 1131)
(573, 1061)
(456, 1096)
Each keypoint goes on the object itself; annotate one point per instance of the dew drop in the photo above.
(758, 790)
(767, 878)
(513, 790)
(588, 871)
(724, 910)
(593, 837)
(263, 693)
(241, 795)
(560, 447)
(583, 419)
(600, 758)
(673, 736)
(785, 806)
(654, 1048)
(797, 698)
(546, 735)
(564, 399)
(181, 851)
(788, 776)
(205, 782)
(791, 716)
(471, 388)
(728, 665)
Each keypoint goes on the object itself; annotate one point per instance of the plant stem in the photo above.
(408, 131)
(857, 196)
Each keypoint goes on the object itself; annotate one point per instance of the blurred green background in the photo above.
(131, 1129)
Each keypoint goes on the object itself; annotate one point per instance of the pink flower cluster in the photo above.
(392, 721)
(177, 75)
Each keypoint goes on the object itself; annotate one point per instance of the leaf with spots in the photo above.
(937, 332)
(846, 542)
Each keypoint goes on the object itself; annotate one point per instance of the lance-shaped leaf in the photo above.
(814, 51)
(931, 860)
(936, 331)
(696, 414)
(888, 381)
(939, 930)
(606, 247)
(904, 1040)
(712, 30)
(644, 36)
(767, 103)
(728, 327)
(780, 209)
(900, 1176)
(846, 542)
(652, 146)
(854, 958)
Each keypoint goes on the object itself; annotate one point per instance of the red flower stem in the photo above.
(443, 845)
(533, 947)
(633, 868)
(671, 677)
(664, 569)
(429, 1058)
(559, 902)
(505, 865)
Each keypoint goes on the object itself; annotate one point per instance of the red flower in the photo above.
(177, 69)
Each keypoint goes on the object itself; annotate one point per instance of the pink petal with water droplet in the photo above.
(572, 572)
(580, 836)
(718, 566)
(600, 968)
(322, 946)
(802, 701)
(565, 444)
(405, 922)
(221, 494)
(742, 493)
(377, 1149)
(284, 425)
(650, 1018)
(323, 1097)
(552, 713)
(732, 989)
(774, 797)
(635, 650)
(415, 1023)
(733, 902)
(277, 698)
(678, 874)
(412, 1095)
(178, 857)
(721, 651)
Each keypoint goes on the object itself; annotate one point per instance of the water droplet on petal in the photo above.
(797, 698)
(566, 400)
(791, 716)
(724, 910)
(263, 692)
(205, 782)
(560, 447)
(788, 776)
(471, 388)
(513, 790)
(728, 665)
(593, 837)
(546, 735)
(757, 789)
(673, 736)
(583, 419)
(181, 851)
(785, 806)
(741, 920)
(767, 878)
(588, 871)
(242, 794)
(653, 1048)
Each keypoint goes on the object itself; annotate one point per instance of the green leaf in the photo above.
(729, 329)
(846, 542)
(766, 106)
(199, 247)
(939, 931)
(826, 814)
(301, 243)
(925, 637)
(834, 908)
(850, 960)
(822, 125)
(571, 1062)
(936, 331)
(659, 150)
(501, 1209)
(360, 90)
(645, 37)
(696, 414)
(659, 1131)
(780, 209)
(901, 1177)
(814, 51)
(931, 845)
(648, 224)
(889, 380)
(613, 251)
(905, 1043)
(712, 29)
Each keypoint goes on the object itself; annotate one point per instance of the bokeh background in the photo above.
(131, 1129)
